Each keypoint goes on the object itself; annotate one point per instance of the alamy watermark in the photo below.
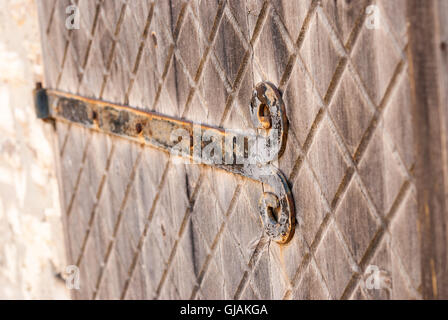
(224, 147)
(72, 277)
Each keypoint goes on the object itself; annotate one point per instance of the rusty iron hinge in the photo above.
(248, 153)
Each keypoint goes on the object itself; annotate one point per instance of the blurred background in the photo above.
(32, 257)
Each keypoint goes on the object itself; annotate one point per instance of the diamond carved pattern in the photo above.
(356, 223)
(330, 165)
(343, 15)
(229, 58)
(310, 287)
(385, 188)
(331, 260)
(199, 61)
(269, 62)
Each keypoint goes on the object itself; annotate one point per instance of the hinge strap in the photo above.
(248, 153)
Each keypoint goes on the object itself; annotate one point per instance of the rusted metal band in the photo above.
(189, 140)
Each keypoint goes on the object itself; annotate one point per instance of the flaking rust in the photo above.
(276, 207)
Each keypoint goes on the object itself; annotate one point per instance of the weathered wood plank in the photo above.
(141, 226)
(427, 57)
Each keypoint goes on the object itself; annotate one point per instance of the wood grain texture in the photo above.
(141, 226)
(428, 56)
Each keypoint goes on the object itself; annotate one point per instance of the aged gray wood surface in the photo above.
(428, 58)
(141, 226)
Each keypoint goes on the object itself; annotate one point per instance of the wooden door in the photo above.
(369, 191)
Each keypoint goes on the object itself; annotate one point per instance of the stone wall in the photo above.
(32, 257)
